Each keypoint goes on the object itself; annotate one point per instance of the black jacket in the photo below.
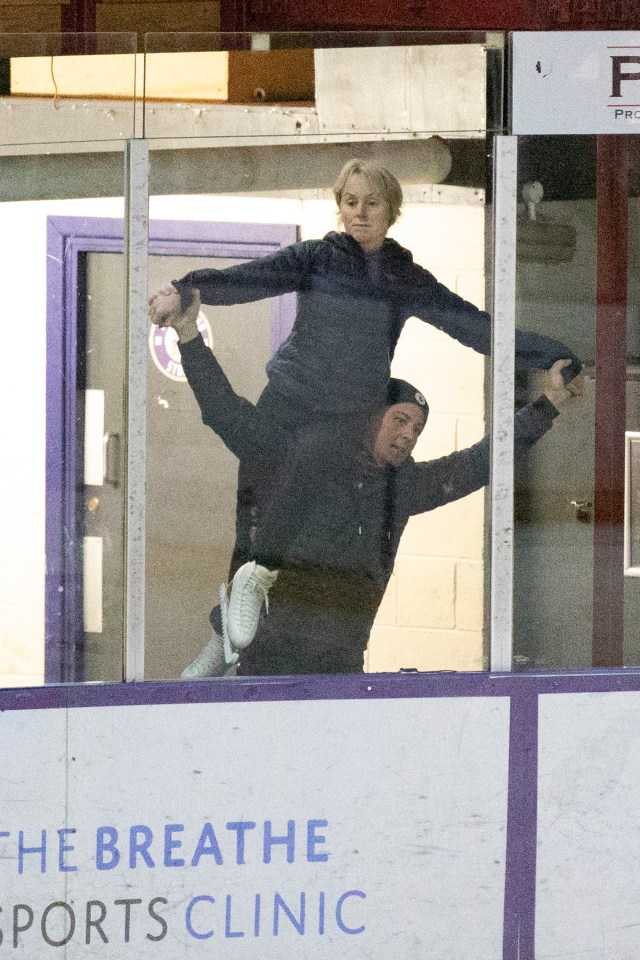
(350, 534)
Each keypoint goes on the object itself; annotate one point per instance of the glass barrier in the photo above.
(67, 105)
(319, 85)
(248, 137)
(577, 599)
(67, 88)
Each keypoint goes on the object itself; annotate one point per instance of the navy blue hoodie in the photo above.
(351, 309)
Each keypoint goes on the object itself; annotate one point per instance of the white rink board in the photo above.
(406, 855)
(588, 870)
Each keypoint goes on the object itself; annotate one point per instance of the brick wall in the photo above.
(431, 617)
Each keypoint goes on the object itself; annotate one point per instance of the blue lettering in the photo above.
(228, 932)
(313, 839)
(321, 913)
(191, 931)
(106, 840)
(279, 904)
(240, 826)
(207, 846)
(287, 840)
(141, 847)
(64, 848)
(42, 850)
(171, 844)
(339, 905)
(256, 917)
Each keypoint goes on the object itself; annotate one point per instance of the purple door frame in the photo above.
(68, 238)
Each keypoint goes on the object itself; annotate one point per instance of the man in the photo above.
(323, 604)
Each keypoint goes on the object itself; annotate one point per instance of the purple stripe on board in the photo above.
(255, 689)
(324, 687)
(522, 811)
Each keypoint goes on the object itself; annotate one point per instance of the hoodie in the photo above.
(351, 309)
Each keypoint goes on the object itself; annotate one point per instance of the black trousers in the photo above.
(293, 449)
(296, 639)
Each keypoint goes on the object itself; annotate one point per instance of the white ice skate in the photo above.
(230, 655)
(210, 662)
(249, 590)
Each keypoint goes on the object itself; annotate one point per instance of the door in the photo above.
(555, 543)
(191, 477)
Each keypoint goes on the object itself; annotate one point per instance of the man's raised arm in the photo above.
(232, 417)
(435, 482)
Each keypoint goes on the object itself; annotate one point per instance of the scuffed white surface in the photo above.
(137, 213)
(588, 882)
(415, 793)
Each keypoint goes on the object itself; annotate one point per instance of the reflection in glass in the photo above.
(253, 283)
(253, 156)
(577, 280)
(632, 505)
(397, 85)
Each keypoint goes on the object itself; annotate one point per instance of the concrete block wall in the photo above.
(432, 614)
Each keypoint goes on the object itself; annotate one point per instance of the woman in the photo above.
(356, 289)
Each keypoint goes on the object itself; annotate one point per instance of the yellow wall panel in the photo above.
(170, 76)
(82, 76)
(282, 75)
(187, 76)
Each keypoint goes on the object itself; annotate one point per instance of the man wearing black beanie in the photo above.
(329, 587)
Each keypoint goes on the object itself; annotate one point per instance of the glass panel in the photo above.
(67, 88)
(246, 169)
(398, 85)
(61, 199)
(577, 281)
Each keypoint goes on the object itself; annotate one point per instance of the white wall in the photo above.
(432, 614)
(22, 430)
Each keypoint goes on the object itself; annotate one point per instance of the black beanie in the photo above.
(399, 391)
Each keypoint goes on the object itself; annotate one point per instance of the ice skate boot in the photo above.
(249, 590)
